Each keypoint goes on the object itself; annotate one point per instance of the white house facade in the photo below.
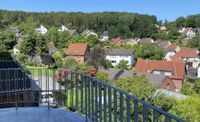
(104, 37)
(198, 72)
(117, 55)
(42, 30)
(16, 51)
(62, 28)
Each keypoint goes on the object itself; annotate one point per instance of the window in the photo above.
(189, 64)
(113, 61)
(168, 87)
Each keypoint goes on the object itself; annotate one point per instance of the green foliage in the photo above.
(71, 64)
(97, 57)
(28, 47)
(8, 39)
(188, 109)
(186, 88)
(83, 68)
(194, 42)
(28, 25)
(137, 86)
(3, 47)
(102, 76)
(76, 39)
(162, 101)
(108, 64)
(125, 25)
(41, 46)
(123, 65)
(21, 58)
(92, 40)
(196, 87)
(149, 51)
(58, 58)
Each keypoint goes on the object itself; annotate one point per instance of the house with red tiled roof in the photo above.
(78, 51)
(188, 55)
(174, 72)
(117, 41)
(171, 51)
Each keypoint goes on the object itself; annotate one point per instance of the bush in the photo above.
(102, 76)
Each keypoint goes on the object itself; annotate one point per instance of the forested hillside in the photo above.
(117, 24)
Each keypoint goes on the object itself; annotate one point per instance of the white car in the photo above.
(47, 98)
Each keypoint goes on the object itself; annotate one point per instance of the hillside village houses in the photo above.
(131, 41)
(62, 28)
(88, 33)
(117, 55)
(42, 30)
(173, 72)
(78, 51)
(189, 31)
(104, 36)
(117, 41)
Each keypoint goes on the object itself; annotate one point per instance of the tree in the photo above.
(48, 60)
(108, 64)
(186, 88)
(123, 65)
(53, 36)
(102, 76)
(2, 47)
(21, 58)
(137, 86)
(92, 40)
(97, 57)
(180, 22)
(71, 64)
(162, 101)
(196, 87)
(41, 46)
(188, 109)
(194, 42)
(8, 39)
(58, 58)
(29, 46)
(149, 51)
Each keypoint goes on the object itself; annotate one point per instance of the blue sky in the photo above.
(163, 9)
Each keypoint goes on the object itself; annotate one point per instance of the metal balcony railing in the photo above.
(95, 99)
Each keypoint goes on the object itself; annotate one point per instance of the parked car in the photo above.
(46, 97)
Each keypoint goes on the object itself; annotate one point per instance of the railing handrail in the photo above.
(137, 99)
(106, 85)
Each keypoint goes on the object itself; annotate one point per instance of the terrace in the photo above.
(79, 98)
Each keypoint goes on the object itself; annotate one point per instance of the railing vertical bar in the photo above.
(136, 111)
(96, 101)
(60, 90)
(100, 102)
(145, 113)
(110, 104)
(71, 90)
(128, 109)
(48, 86)
(86, 105)
(105, 103)
(92, 98)
(155, 116)
(65, 87)
(77, 91)
(121, 108)
(115, 106)
(88, 82)
(82, 92)
(167, 119)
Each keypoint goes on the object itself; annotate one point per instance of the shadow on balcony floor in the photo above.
(39, 114)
